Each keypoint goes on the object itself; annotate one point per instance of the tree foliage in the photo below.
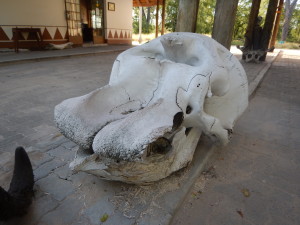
(148, 15)
(171, 15)
(205, 19)
(288, 13)
(294, 29)
(241, 20)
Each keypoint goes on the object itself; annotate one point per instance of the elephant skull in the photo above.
(146, 123)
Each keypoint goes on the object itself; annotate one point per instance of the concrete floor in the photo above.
(256, 178)
(30, 90)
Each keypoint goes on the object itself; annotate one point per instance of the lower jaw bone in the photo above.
(154, 166)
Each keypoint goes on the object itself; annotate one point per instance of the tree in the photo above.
(241, 21)
(171, 15)
(205, 18)
(263, 8)
(147, 18)
(289, 8)
(147, 26)
(294, 31)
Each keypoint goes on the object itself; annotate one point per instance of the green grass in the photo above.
(288, 45)
(237, 42)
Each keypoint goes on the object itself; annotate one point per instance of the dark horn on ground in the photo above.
(15, 201)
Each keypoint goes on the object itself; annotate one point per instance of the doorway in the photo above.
(92, 21)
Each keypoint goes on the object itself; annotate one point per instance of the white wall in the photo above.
(32, 12)
(42, 14)
(121, 18)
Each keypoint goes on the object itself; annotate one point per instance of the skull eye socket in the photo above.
(160, 146)
(188, 109)
(177, 120)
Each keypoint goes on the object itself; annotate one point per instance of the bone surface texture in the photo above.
(162, 95)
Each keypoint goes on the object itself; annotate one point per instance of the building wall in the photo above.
(119, 22)
(44, 14)
(49, 16)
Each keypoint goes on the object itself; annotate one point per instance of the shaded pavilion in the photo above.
(149, 3)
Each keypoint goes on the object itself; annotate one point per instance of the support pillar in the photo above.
(163, 15)
(251, 23)
(269, 21)
(187, 15)
(276, 26)
(268, 26)
(224, 21)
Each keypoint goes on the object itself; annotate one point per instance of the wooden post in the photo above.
(156, 17)
(187, 15)
(251, 23)
(276, 26)
(224, 21)
(163, 17)
(268, 26)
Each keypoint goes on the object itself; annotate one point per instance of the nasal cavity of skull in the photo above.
(188, 109)
(160, 146)
(177, 120)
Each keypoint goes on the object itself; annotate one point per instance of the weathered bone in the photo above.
(146, 123)
(51, 46)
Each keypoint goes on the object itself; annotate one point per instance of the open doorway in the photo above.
(92, 21)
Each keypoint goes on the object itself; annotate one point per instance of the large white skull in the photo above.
(146, 123)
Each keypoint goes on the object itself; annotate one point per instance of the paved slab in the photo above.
(255, 179)
(29, 91)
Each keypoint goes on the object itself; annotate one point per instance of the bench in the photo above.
(35, 31)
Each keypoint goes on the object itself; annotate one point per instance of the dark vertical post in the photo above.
(251, 23)
(268, 26)
(276, 26)
(224, 21)
(156, 17)
(163, 17)
(187, 15)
